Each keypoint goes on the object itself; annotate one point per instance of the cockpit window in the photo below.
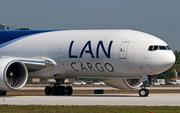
(157, 47)
(162, 48)
(150, 48)
(168, 47)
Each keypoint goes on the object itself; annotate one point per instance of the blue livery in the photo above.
(7, 36)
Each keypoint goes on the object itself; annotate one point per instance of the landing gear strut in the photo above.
(57, 89)
(143, 92)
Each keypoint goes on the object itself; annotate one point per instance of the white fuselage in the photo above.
(93, 53)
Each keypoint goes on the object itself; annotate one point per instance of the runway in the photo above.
(105, 88)
(168, 99)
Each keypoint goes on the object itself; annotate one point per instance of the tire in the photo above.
(147, 92)
(143, 92)
(69, 90)
(60, 90)
(47, 90)
(53, 90)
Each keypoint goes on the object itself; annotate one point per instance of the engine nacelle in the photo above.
(123, 83)
(13, 74)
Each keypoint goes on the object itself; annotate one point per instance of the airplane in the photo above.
(124, 59)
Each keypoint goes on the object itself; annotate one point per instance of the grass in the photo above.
(86, 109)
(41, 92)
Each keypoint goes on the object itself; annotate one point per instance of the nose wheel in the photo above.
(143, 92)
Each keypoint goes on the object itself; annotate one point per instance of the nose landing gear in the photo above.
(143, 92)
(57, 89)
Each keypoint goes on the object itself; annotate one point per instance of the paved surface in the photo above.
(100, 87)
(74, 88)
(105, 99)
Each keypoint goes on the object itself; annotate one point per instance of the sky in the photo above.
(160, 18)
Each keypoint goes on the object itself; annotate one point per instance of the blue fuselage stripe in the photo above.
(6, 36)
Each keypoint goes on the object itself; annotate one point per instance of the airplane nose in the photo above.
(169, 59)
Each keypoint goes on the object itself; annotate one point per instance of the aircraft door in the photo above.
(123, 50)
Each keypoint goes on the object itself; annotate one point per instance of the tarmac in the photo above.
(167, 99)
(98, 87)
